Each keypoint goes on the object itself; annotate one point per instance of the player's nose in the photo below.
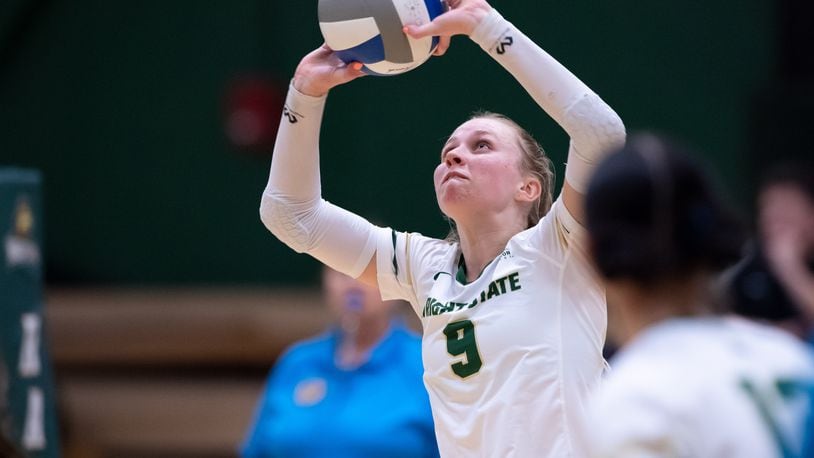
(453, 157)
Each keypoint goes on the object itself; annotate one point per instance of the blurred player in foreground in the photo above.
(355, 391)
(687, 382)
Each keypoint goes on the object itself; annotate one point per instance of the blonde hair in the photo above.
(533, 160)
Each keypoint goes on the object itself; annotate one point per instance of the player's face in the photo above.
(480, 169)
(784, 210)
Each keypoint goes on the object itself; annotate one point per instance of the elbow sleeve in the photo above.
(286, 220)
(343, 240)
(595, 130)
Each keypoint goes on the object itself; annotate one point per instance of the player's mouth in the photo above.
(453, 174)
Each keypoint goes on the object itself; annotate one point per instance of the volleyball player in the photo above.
(687, 382)
(513, 315)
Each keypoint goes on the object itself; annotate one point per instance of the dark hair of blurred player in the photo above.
(688, 381)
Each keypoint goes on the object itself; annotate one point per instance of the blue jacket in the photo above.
(312, 408)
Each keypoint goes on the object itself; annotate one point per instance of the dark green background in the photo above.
(120, 104)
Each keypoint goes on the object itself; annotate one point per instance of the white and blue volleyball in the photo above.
(370, 32)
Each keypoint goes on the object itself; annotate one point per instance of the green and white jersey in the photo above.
(509, 359)
(705, 387)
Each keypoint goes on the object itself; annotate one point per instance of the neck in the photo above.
(358, 337)
(481, 242)
(639, 308)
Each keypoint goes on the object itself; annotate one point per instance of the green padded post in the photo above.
(27, 405)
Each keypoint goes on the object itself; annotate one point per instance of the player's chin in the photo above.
(453, 201)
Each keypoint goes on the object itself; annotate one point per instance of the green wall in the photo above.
(121, 107)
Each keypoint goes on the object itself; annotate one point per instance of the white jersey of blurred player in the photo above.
(705, 387)
(523, 342)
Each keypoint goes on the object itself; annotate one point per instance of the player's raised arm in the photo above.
(592, 125)
(292, 207)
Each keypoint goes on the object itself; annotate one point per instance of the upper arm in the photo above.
(575, 202)
(370, 274)
(395, 266)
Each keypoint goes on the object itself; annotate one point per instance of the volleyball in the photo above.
(370, 32)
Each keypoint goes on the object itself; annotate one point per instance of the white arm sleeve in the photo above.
(593, 126)
(292, 207)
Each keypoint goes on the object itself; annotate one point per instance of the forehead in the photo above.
(783, 194)
(495, 127)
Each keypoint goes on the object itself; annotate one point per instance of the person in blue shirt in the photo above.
(354, 391)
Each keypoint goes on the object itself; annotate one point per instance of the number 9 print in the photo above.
(461, 341)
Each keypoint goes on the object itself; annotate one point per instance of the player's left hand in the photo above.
(461, 19)
(321, 70)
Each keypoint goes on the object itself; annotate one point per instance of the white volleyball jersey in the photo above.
(509, 358)
(709, 387)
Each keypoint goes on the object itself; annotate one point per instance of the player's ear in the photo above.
(530, 190)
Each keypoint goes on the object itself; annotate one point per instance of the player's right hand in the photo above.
(320, 70)
(461, 19)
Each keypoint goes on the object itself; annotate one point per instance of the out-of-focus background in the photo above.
(166, 300)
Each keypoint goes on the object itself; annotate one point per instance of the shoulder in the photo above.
(557, 233)
(756, 330)
(662, 366)
(422, 255)
(641, 371)
(681, 363)
(770, 344)
(412, 245)
(405, 261)
(309, 349)
(429, 248)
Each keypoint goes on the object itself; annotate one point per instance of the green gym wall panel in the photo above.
(121, 105)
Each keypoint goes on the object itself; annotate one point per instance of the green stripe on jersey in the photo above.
(395, 264)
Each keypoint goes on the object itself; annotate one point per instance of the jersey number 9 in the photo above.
(461, 341)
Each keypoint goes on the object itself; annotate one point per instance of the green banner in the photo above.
(27, 405)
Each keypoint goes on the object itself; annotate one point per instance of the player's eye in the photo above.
(482, 144)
